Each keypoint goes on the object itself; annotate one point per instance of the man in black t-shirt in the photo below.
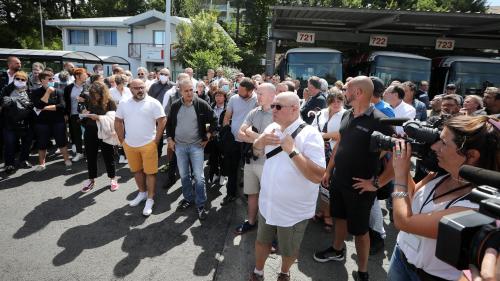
(354, 183)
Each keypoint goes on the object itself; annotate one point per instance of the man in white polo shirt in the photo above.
(394, 96)
(143, 119)
(289, 183)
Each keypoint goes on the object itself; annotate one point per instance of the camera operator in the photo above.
(418, 208)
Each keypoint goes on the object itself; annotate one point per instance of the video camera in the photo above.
(418, 134)
(464, 237)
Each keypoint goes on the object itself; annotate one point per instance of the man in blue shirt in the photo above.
(380, 104)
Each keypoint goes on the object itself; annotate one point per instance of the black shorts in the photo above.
(346, 203)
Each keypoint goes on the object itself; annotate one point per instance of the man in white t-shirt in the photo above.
(289, 183)
(394, 96)
(143, 118)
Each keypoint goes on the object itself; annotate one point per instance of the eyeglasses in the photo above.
(279, 106)
(344, 89)
(140, 74)
(20, 79)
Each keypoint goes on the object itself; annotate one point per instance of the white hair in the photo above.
(143, 69)
(324, 85)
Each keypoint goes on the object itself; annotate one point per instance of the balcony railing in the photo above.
(150, 51)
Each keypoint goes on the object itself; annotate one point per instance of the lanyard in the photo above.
(430, 198)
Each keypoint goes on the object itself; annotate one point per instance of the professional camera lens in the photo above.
(421, 133)
(380, 142)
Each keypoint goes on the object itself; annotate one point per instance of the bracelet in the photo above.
(404, 186)
(399, 194)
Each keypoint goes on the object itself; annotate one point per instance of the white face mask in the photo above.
(19, 84)
(163, 79)
(100, 72)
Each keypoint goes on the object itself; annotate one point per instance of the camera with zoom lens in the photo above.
(418, 134)
(464, 237)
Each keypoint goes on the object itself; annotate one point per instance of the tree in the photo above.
(203, 44)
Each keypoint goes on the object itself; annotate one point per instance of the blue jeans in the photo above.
(11, 139)
(398, 270)
(192, 153)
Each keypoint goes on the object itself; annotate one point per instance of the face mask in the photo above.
(163, 79)
(52, 84)
(225, 88)
(100, 72)
(19, 84)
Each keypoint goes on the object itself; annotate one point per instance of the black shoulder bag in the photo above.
(279, 148)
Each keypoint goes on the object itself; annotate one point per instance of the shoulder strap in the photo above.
(279, 148)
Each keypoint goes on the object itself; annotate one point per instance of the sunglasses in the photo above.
(140, 74)
(279, 106)
(20, 79)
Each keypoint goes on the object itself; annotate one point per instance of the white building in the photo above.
(138, 39)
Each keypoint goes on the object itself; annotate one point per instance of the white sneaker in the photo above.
(40, 168)
(148, 209)
(77, 157)
(68, 163)
(138, 199)
(222, 180)
(122, 160)
(73, 148)
(58, 151)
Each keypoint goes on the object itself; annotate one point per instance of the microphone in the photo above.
(480, 176)
(393, 121)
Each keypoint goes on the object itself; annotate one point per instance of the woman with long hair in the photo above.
(418, 207)
(99, 103)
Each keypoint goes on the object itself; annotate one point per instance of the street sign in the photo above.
(378, 40)
(445, 44)
(306, 37)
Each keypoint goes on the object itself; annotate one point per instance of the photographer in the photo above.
(418, 208)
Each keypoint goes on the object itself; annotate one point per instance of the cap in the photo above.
(378, 85)
(451, 86)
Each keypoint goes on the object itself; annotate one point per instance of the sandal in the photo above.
(244, 228)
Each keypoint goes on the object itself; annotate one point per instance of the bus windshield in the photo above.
(472, 77)
(301, 66)
(400, 68)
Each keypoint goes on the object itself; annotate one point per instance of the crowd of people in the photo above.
(301, 153)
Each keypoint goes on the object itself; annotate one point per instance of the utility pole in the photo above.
(166, 46)
(41, 22)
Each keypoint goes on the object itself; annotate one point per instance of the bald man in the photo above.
(355, 175)
(289, 183)
(253, 126)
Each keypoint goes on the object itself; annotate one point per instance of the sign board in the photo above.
(378, 40)
(306, 37)
(445, 44)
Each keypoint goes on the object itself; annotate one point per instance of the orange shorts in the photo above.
(142, 158)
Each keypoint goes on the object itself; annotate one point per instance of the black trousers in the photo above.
(92, 144)
(214, 158)
(232, 162)
(75, 131)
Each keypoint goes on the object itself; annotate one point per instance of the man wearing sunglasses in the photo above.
(289, 183)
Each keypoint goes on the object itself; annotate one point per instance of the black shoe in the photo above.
(329, 254)
(183, 205)
(202, 214)
(244, 228)
(9, 170)
(25, 165)
(361, 276)
(228, 199)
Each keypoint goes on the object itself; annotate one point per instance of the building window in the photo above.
(158, 37)
(78, 37)
(105, 37)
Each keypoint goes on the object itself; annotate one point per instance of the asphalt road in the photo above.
(52, 231)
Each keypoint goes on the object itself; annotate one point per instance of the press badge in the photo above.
(413, 241)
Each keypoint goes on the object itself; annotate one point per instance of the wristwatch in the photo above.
(375, 183)
(293, 153)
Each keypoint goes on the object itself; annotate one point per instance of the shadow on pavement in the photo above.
(56, 209)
